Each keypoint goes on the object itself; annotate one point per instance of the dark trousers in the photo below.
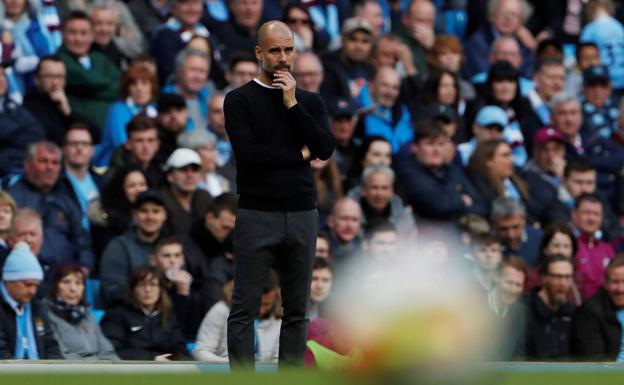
(263, 239)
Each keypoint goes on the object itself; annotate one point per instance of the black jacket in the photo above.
(548, 332)
(137, 336)
(596, 332)
(47, 346)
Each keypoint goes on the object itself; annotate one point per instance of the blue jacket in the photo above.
(65, 240)
(18, 128)
(529, 249)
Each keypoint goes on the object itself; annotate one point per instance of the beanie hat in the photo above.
(21, 264)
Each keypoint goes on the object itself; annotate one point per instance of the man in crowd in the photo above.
(322, 278)
(381, 241)
(416, 30)
(343, 120)
(345, 224)
(239, 33)
(242, 68)
(308, 71)
(173, 120)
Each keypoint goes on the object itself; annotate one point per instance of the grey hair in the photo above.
(377, 169)
(506, 207)
(185, 54)
(562, 97)
(527, 9)
(108, 5)
(31, 150)
(26, 215)
(197, 139)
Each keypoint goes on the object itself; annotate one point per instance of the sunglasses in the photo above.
(298, 21)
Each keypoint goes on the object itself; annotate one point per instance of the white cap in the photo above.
(182, 157)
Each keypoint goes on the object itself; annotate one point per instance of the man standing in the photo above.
(275, 129)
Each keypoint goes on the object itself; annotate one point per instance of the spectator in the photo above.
(239, 33)
(145, 328)
(597, 331)
(216, 124)
(489, 124)
(138, 91)
(92, 80)
(308, 71)
(343, 119)
(25, 331)
(66, 240)
(19, 129)
(416, 30)
(441, 87)
(78, 334)
(371, 11)
(447, 54)
(149, 15)
(587, 55)
(435, 190)
(327, 183)
(48, 101)
(242, 69)
(105, 19)
(27, 227)
(169, 38)
(593, 253)
(211, 342)
(381, 241)
(391, 51)
(345, 223)
(8, 208)
(323, 249)
(509, 221)
(113, 23)
(183, 200)
(132, 249)
(322, 278)
(346, 70)
(549, 321)
(173, 120)
(306, 35)
(600, 109)
(373, 151)
(487, 255)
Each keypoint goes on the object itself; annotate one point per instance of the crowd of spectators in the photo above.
(498, 124)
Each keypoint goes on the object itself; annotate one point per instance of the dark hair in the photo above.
(432, 84)
(76, 15)
(271, 282)
(225, 201)
(540, 65)
(52, 58)
(301, 8)
(578, 165)
(113, 195)
(78, 126)
(482, 238)
(549, 260)
(356, 167)
(616, 262)
(517, 263)
(428, 129)
(142, 273)
(586, 197)
(499, 71)
(322, 263)
(584, 44)
(549, 233)
(241, 57)
(545, 44)
(63, 271)
(379, 225)
(140, 123)
(166, 241)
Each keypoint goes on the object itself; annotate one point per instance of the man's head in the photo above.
(149, 213)
(168, 254)
(183, 167)
(345, 219)
(105, 19)
(508, 220)
(143, 142)
(381, 240)
(511, 280)
(42, 165)
(216, 117)
(308, 71)
(357, 40)
(270, 295)
(187, 12)
(549, 78)
(487, 251)
(490, 123)
(557, 276)
(322, 276)
(78, 33)
(429, 144)
(370, 10)
(614, 281)
(587, 214)
(597, 85)
(78, 146)
(506, 48)
(221, 216)
(50, 75)
(192, 69)
(587, 55)
(323, 247)
(247, 13)
(548, 148)
(579, 177)
(506, 16)
(21, 274)
(27, 227)
(242, 68)
(420, 15)
(172, 112)
(378, 186)
(275, 50)
(386, 86)
(566, 115)
(343, 119)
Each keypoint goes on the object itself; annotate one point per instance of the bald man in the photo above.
(275, 129)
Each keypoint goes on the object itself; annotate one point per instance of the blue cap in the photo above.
(596, 74)
(490, 115)
(21, 265)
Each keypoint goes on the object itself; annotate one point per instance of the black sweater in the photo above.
(267, 139)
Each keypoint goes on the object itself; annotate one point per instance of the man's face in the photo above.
(322, 248)
(22, 291)
(216, 117)
(558, 281)
(51, 76)
(247, 13)
(357, 46)
(321, 285)
(615, 286)
(548, 153)
(78, 148)
(568, 118)
(488, 257)
(150, 218)
(194, 75)
(580, 182)
(383, 244)
(510, 284)
(588, 57)
(188, 12)
(308, 73)
(104, 25)
(343, 128)
(6, 216)
(143, 145)
(420, 15)
(507, 17)
(276, 53)
(587, 217)
(597, 93)
(484, 133)
(169, 256)
(385, 54)
(43, 169)
(78, 37)
(371, 12)
(29, 232)
(510, 230)
(345, 221)
(221, 225)
(386, 87)
(14, 8)
(242, 73)
(267, 303)
(378, 191)
(184, 180)
(430, 151)
(507, 50)
(550, 80)
(174, 119)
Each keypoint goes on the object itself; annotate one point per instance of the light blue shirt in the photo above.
(608, 34)
(620, 316)
(86, 191)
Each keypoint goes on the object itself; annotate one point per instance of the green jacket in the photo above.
(90, 92)
(419, 53)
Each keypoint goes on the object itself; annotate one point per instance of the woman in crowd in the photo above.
(447, 53)
(145, 328)
(77, 332)
(375, 150)
(307, 37)
(328, 185)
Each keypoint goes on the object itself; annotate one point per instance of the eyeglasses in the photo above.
(294, 20)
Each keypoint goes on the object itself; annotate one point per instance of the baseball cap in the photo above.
(492, 115)
(167, 101)
(341, 107)
(596, 74)
(545, 134)
(181, 158)
(356, 24)
(21, 265)
(148, 196)
(440, 111)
